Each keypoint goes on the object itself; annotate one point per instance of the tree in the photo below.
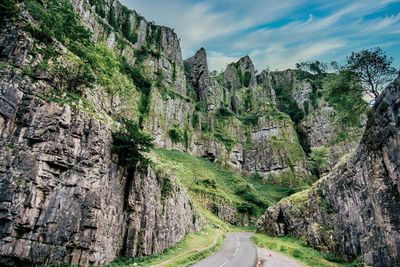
(344, 92)
(373, 68)
(316, 67)
(129, 142)
(319, 159)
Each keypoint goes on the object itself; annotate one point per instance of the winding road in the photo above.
(237, 250)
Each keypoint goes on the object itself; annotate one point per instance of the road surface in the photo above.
(237, 250)
(272, 259)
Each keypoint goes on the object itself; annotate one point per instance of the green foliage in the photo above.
(37, 33)
(257, 177)
(248, 100)
(99, 4)
(222, 116)
(175, 135)
(287, 104)
(195, 120)
(201, 176)
(315, 67)
(129, 142)
(373, 68)
(8, 9)
(246, 79)
(59, 20)
(250, 119)
(165, 183)
(173, 72)
(306, 107)
(153, 34)
(73, 76)
(130, 35)
(143, 84)
(205, 127)
(345, 94)
(224, 112)
(318, 158)
(224, 138)
(297, 249)
(112, 20)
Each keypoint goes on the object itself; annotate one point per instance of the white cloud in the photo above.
(218, 61)
(230, 29)
(278, 56)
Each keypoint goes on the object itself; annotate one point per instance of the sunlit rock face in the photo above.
(355, 210)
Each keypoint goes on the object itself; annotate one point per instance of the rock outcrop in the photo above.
(239, 74)
(354, 211)
(199, 78)
(319, 129)
(63, 196)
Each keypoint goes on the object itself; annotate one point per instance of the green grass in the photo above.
(298, 250)
(202, 177)
(213, 229)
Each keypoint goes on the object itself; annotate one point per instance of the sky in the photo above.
(277, 34)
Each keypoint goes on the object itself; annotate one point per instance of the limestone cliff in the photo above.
(354, 211)
(63, 196)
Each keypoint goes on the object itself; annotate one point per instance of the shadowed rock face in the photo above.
(198, 74)
(63, 197)
(355, 210)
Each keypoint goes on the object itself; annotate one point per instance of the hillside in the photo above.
(75, 73)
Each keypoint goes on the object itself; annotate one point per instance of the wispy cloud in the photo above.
(277, 33)
(219, 61)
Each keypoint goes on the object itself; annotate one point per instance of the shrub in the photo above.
(129, 142)
(246, 79)
(251, 119)
(59, 20)
(175, 135)
(8, 8)
(195, 120)
(225, 112)
(287, 104)
(73, 75)
(209, 182)
(319, 159)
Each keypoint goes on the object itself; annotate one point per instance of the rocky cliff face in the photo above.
(199, 76)
(354, 211)
(63, 196)
(319, 129)
(56, 156)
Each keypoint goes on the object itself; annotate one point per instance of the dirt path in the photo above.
(276, 259)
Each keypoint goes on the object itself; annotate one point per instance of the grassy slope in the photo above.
(201, 176)
(192, 172)
(298, 250)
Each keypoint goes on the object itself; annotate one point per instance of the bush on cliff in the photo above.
(129, 142)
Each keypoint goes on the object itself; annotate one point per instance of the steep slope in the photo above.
(63, 196)
(317, 117)
(71, 72)
(354, 211)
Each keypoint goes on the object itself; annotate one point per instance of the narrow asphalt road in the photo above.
(237, 250)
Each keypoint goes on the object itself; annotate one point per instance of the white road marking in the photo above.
(234, 254)
(237, 249)
(224, 263)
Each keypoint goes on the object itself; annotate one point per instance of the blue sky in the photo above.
(277, 33)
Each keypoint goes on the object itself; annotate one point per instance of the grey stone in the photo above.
(354, 211)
